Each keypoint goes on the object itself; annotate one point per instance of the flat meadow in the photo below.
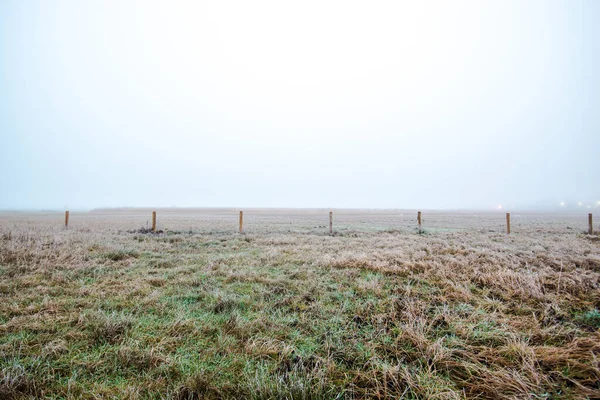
(284, 310)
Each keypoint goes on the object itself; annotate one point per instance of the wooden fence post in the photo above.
(507, 223)
(241, 221)
(591, 224)
(67, 219)
(331, 222)
(153, 221)
(419, 220)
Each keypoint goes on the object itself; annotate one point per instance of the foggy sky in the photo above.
(399, 104)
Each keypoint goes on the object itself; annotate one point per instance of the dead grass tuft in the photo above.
(201, 387)
(14, 383)
(106, 328)
(139, 359)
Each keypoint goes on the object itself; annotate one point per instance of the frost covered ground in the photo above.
(285, 310)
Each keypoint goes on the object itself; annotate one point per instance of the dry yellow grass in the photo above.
(287, 311)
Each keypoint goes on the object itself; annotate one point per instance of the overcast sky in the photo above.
(399, 104)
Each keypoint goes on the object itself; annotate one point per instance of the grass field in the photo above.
(286, 311)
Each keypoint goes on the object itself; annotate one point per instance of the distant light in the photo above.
(580, 204)
(562, 203)
(499, 206)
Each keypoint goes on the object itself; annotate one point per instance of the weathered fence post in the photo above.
(241, 221)
(153, 221)
(507, 223)
(419, 220)
(591, 224)
(67, 219)
(331, 222)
